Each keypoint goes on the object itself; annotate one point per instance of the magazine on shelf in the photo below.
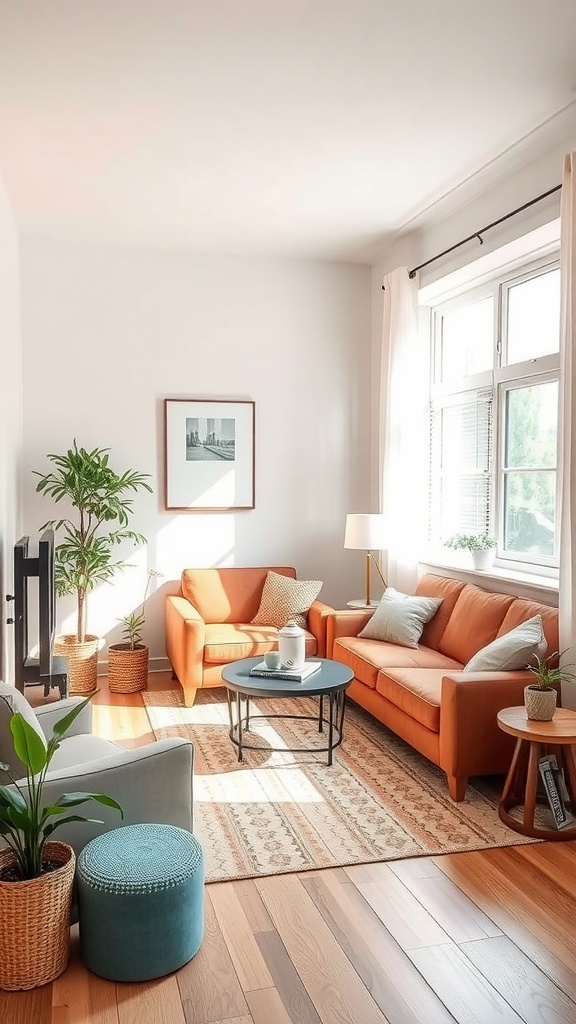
(297, 675)
(555, 790)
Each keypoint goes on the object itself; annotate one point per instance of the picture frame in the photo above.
(209, 454)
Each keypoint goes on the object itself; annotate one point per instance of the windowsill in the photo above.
(505, 581)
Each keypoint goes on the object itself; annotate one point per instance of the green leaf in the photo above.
(73, 799)
(12, 798)
(60, 728)
(27, 744)
(65, 821)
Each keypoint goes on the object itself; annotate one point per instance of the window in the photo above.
(494, 415)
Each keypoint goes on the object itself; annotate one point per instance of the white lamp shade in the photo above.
(365, 531)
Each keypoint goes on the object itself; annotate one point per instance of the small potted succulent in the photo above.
(480, 544)
(36, 873)
(128, 661)
(540, 696)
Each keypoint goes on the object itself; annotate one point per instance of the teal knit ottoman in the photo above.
(140, 901)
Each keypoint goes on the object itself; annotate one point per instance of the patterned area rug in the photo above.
(279, 812)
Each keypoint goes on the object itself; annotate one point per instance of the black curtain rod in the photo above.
(478, 234)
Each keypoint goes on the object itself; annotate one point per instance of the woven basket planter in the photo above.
(82, 663)
(35, 922)
(127, 669)
(540, 704)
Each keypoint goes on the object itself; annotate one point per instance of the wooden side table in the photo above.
(534, 739)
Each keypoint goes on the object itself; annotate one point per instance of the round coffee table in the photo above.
(521, 787)
(331, 681)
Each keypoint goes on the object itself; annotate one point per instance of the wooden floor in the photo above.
(478, 938)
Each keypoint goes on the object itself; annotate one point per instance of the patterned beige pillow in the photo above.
(284, 598)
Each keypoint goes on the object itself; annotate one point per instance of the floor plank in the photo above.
(78, 995)
(524, 986)
(390, 977)
(328, 976)
(209, 986)
(153, 1002)
(407, 920)
(458, 915)
(468, 995)
(239, 938)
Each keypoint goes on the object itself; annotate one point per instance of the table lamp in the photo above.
(365, 532)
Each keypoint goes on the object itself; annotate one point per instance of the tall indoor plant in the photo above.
(36, 873)
(102, 504)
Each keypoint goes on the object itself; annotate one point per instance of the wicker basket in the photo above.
(540, 704)
(127, 669)
(35, 922)
(82, 663)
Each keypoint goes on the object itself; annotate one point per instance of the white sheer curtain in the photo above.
(567, 455)
(403, 430)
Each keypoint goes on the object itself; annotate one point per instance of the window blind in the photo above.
(461, 479)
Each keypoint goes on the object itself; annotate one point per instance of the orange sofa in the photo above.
(208, 624)
(422, 694)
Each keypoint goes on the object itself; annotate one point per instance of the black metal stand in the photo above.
(45, 670)
(335, 723)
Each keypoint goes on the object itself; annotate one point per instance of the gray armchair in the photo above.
(152, 783)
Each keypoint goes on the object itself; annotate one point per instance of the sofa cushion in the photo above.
(511, 651)
(474, 623)
(416, 692)
(521, 610)
(367, 657)
(449, 590)
(400, 618)
(285, 600)
(226, 642)
(228, 595)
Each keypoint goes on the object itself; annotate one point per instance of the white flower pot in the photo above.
(483, 558)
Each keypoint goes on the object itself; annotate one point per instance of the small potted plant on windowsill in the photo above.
(481, 545)
(128, 661)
(540, 697)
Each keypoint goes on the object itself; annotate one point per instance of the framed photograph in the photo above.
(209, 460)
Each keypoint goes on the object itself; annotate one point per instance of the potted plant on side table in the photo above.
(128, 661)
(540, 697)
(36, 873)
(102, 506)
(481, 546)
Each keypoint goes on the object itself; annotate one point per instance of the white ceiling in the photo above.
(306, 128)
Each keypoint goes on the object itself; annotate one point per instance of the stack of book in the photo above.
(297, 675)
(555, 790)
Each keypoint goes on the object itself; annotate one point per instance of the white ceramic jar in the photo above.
(292, 645)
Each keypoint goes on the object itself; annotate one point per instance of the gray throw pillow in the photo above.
(400, 619)
(512, 651)
(11, 700)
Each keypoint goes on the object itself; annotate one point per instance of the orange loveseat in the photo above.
(208, 624)
(424, 696)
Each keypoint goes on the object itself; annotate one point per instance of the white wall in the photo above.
(109, 332)
(10, 423)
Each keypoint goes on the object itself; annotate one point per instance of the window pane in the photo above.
(534, 317)
(467, 340)
(531, 425)
(529, 512)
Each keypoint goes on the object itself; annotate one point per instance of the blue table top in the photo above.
(331, 677)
